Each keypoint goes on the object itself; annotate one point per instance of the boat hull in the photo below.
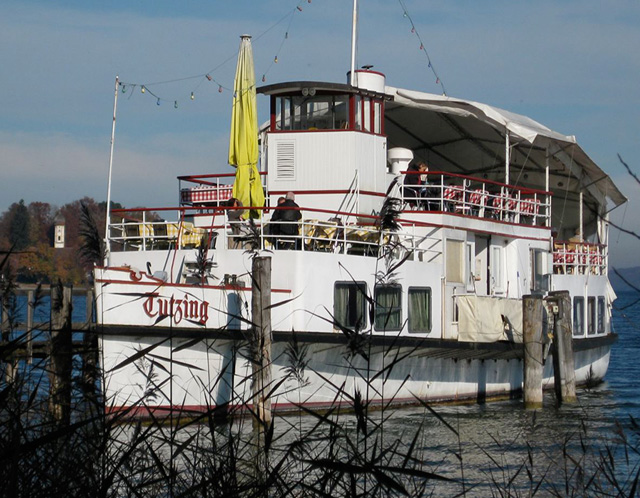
(154, 370)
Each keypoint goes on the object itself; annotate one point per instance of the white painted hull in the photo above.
(194, 340)
(214, 372)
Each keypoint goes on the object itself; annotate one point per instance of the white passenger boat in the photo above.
(425, 303)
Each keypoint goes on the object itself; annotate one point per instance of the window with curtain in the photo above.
(578, 316)
(419, 309)
(591, 315)
(349, 304)
(388, 307)
(601, 318)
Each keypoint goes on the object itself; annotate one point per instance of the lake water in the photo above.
(485, 446)
(497, 446)
(498, 437)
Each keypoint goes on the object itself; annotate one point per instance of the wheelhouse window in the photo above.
(578, 316)
(388, 307)
(318, 112)
(349, 304)
(309, 111)
(419, 309)
(377, 117)
(357, 114)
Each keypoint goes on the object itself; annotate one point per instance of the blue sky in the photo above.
(572, 65)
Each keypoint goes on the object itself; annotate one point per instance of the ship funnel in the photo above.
(368, 80)
(399, 158)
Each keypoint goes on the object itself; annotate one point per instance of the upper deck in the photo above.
(450, 201)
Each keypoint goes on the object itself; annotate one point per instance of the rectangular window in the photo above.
(377, 117)
(341, 112)
(454, 261)
(538, 270)
(591, 315)
(497, 269)
(578, 316)
(317, 112)
(388, 307)
(419, 309)
(601, 315)
(349, 304)
(367, 115)
(357, 118)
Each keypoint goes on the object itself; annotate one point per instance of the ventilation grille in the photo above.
(285, 161)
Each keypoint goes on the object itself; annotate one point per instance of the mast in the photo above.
(107, 245)
(354, 30)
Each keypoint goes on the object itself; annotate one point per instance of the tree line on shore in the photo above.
(27, 236)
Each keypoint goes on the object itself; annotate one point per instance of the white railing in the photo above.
(133, 234)
(479, 198)
(334, 236)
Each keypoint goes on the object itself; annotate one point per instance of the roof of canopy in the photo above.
(469, 137)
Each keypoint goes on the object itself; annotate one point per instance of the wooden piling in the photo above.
(89, 351)
(31, 296)
(563, 365)
(6, 333)
(533, 351)
(261, 339)
(60, 354)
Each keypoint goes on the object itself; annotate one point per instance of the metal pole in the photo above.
(581, 228)
(546, 188)
(507, 157)
(113, 137)
(354, 29)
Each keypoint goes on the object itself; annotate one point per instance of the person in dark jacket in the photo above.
(287, 233)
(414, 182)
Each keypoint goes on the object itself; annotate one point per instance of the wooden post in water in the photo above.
(564, 374)
(261, 359)
(261, 338)
(30, 310)
(90, 351)
(533, 350)
(60, 354)
(6, 336)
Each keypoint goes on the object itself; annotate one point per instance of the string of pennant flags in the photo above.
(131, 88)
(423, 47)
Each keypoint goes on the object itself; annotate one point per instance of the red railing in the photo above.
(206, 190)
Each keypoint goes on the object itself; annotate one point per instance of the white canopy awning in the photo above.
(468, 137)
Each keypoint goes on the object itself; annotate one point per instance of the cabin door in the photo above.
(454, 284)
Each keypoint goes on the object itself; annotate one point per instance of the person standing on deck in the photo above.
(414, 182)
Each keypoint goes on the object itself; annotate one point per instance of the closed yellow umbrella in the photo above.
(243, 142)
